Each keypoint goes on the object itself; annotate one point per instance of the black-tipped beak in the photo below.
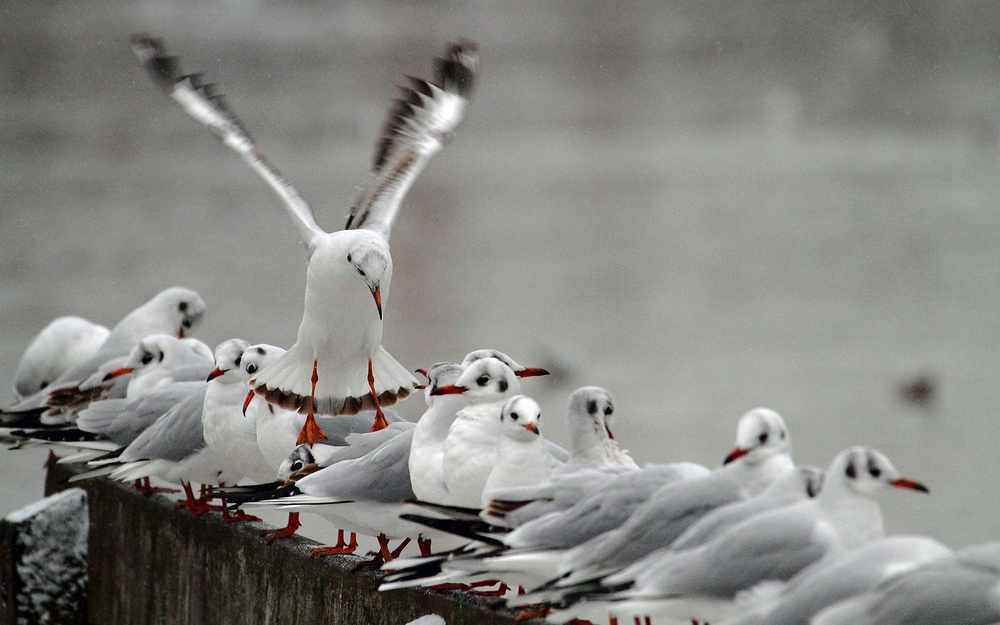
(117, 373)
(735, 454)
(214, 374)
(377, 294)
(246, 402)
(905, 482)
(531, 427)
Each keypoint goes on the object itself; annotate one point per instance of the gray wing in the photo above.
(202, 103)
(656, 523)
(418, 127)
(361, 444)
(517, 506)
(382, 475)
(145, 410)
(771, 546)
(174, 436)
(603, 510)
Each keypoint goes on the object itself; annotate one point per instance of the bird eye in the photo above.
(851, 471)
(513, 416)
(146, 358)
(251, 368)
(348, 258)
(297, 465)
(483, 380)
(239, 359)
(592, 406)
(361, 272)
(43, 385)
(782, 435)
(762, 438)
(608, 411)
(160, 359)
(186, 323)
(183, 306)
(503, 386)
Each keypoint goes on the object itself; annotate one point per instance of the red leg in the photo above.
(283, 532)
(197, 507)
(380, 422)
(239, 515)
(143, 487)
(340, 549)
(533, 612)
(311, 432)
(424, 544)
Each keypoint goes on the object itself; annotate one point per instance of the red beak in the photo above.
(608, 430)
(905, 482)
(531, 427)
(449, 389)
(180, 333)
(246, 402)
(734, 454)
(117, 373)
(378, 300)
(531, 372)
(214, 374)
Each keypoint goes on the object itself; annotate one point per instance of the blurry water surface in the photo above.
(701, 207)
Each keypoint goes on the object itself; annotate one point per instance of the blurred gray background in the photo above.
(703, 206)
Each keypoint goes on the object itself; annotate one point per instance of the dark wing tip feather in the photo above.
(150, 50)
(456, 71)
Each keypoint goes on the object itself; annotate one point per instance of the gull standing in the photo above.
(337, 364)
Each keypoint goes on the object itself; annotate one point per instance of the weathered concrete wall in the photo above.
(150, 563)
(43, 562)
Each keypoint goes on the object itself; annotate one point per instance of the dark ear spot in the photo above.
(348, 258)
(782, 435)
(239, 359)
(851, 471)
(504, 386)
(873, 469)
(183, 306)
(592, 406)
(160, 359)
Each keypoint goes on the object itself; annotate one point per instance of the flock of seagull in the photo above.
(581, 534)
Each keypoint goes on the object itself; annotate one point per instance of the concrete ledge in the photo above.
(150, 563)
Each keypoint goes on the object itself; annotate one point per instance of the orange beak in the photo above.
(906, 482)
(449, 389)
(734, 454)
(377, 294)
(531, 427)
(215, 373)
(246, 402)
(117, 373)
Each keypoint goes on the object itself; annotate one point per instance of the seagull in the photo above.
(958, 590)
(64, 343)
(522, 459)
(840, 578)
(773, 546)
(761, 456)
(172, 311)
(337, 364)
(471, 446)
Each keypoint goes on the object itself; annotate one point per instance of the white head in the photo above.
(440, 374)
(760, 434)
(182, 309)
(298, 459)
(151, 351)
(199, 348)
(589, 414)
(65, 342)
(228, 356)
(519, 419)
(865, 471)
(519, 371)
(255, 358)
(486, 380)
(369, 259)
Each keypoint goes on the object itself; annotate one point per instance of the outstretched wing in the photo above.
(202, 103)
(419, 125)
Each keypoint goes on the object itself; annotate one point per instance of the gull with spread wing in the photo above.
(337, 365)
